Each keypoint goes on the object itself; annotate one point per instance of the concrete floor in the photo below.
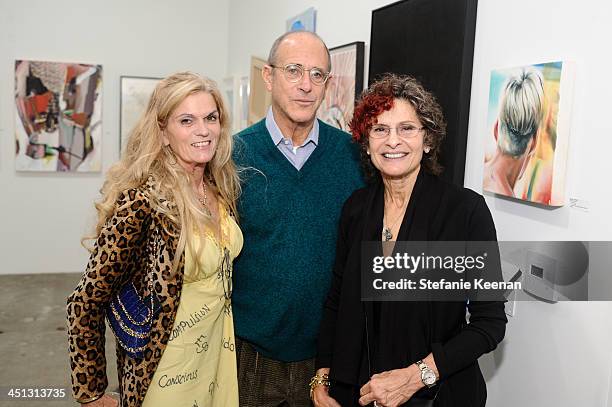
(33, 341)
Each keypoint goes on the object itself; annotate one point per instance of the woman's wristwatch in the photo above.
(428, 376)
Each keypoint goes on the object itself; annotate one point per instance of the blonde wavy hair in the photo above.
(145, 156)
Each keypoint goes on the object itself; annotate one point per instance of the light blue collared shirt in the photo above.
(297, 156)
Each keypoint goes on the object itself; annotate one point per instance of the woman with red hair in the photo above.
(403, 352)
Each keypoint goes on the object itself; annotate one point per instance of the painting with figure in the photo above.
(135, 94)
(528, 132)
(344, 86)
(58, 123)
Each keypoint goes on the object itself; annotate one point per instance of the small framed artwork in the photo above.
(344, 86)
(259, 97)
(305, 21)
(135, 94)
(230, 90)
(236, 93)
(244, 92)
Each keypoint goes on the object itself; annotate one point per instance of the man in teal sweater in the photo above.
(298, 171)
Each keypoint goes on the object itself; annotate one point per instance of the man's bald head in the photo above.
(280, 41)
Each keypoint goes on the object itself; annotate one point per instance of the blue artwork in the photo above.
(306, 21)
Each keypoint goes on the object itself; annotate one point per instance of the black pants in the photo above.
(345, 394)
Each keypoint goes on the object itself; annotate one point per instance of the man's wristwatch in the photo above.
(428, 376)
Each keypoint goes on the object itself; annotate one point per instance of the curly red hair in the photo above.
(366, 112)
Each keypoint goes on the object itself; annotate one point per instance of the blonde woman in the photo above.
(166, 227)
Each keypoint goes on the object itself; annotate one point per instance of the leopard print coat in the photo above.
(123, 251)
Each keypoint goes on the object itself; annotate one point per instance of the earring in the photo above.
(368, 152)
(426, 149)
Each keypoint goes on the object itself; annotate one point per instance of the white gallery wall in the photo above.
(559, 354)
(554, 355)
(44, 215)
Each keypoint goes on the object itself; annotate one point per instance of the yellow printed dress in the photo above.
(198, 367)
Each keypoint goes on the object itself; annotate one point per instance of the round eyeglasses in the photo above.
(295, 72)
(404, 131)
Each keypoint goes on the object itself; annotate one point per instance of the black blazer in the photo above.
(409, 331)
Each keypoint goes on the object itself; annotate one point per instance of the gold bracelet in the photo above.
(90, 399)
(318, 380)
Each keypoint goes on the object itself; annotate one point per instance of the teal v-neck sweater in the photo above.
(289, 219)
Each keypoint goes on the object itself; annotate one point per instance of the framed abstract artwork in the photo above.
(135, 94)
(58, 116)
(433, 41)
(528, 132)
(344, 86)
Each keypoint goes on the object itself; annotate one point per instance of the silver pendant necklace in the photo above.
(386, 232)
(387, 235)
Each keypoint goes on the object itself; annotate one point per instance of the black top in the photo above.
(409, 331)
